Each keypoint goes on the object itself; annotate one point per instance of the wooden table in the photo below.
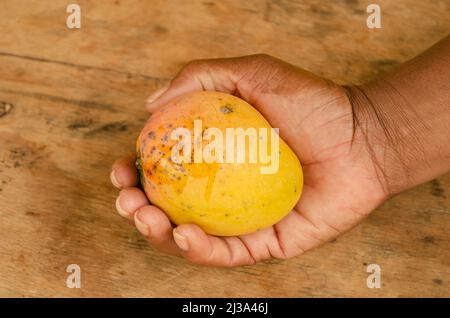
(71, 102)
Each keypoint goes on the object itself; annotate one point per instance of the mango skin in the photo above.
(224, 199)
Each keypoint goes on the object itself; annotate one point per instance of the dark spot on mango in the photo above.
(165, 138)
(226, 109)
(151, 135)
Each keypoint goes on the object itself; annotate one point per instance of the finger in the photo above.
(124, 173)
(298, 233)
(156, 227)
(229, 75)
(200, 248)
(263, 244)
(129, 201)
(194, 76)
(156, 94)
(270, 85)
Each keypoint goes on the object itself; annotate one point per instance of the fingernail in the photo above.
(180, 240)
(119, 209)
(140, 225)
(113, 178)
(156, 94)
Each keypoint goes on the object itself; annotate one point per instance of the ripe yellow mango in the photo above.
(224, 196)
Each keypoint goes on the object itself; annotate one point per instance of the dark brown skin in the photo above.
(407, 117)
(358, 146)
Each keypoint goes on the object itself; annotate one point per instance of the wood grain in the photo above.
(71, 102)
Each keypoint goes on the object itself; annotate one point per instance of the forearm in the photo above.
(404, 117)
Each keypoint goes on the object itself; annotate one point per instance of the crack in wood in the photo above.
(59, 99)
(83, 67)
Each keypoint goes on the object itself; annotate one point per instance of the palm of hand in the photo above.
(315, 119)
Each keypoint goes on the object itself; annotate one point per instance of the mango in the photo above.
(218, 184)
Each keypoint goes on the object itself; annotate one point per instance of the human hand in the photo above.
(315, 118)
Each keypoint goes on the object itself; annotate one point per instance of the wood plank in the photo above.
(76, 105)
(157, 37)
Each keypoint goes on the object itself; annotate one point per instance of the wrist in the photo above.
(406, 142)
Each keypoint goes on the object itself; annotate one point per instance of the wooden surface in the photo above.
(71, 102)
